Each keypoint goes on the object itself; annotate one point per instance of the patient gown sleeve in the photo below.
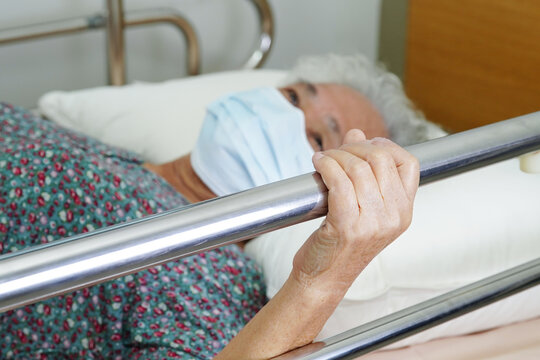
(56, 183)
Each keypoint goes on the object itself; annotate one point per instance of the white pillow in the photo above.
(159, 121)
(464, 228)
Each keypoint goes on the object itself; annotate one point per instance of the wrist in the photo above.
(324, 265)
(312, 304)
(316, 290)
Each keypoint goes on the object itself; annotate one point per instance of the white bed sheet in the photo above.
(516, 341)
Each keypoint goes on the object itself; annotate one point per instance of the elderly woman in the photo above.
(56, 183)
(334, 93)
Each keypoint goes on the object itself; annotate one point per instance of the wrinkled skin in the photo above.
(372, 184)
(331, 110)
(371, 188)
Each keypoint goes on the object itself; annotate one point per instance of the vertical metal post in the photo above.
(115, 42)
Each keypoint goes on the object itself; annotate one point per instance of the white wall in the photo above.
(227, 31)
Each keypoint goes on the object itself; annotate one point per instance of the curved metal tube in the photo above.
(172, 17)
(62, 266)
(266, 19)
(116, 41)
(43, 30)
(76, 25)
(427, 314)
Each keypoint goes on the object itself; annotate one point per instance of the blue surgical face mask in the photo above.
(250, 139)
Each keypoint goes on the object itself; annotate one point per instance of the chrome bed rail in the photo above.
(115, 20)
(266, 36)
(44, 271)
(47, 270)
(407, 322)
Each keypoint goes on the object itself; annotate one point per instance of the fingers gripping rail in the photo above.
(80, 261)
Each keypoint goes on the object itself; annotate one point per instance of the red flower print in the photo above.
(32, 217)
(158, 311)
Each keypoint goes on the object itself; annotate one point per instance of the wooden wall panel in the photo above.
(472, 62)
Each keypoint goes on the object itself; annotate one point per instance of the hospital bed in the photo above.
(55, 268)
(302, 199)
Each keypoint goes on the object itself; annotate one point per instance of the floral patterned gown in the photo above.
(55, 183)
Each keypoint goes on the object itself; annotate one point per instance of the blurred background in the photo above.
(463, 63)
(227, 32)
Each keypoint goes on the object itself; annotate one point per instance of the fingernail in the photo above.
(317, 155)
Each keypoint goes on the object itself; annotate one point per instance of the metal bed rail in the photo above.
(44, 271)
(115, 21)
(407, 322)
(266, 21)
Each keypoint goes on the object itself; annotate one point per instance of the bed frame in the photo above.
(52, 269)
(470, 63)
(298, 199)
(114, 20)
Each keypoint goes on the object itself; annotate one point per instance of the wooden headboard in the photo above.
(472, 62)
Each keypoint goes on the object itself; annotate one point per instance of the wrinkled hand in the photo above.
(371, 188)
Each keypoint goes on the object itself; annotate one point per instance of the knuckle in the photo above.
(381, 141)
(358, 168)
(379, 156)
(415, 163)
(412, 161)
(332, 152)
(349, 147)
(402, 219)
(407, 217)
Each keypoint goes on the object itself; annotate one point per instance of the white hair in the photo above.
(406, 125)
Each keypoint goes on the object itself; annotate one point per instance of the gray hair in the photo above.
(404, 122)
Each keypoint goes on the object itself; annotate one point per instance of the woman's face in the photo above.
(331, 110)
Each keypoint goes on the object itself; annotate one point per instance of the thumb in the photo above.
(354, 136)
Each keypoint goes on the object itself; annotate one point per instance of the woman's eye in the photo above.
(293, 97)
(318, 140)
